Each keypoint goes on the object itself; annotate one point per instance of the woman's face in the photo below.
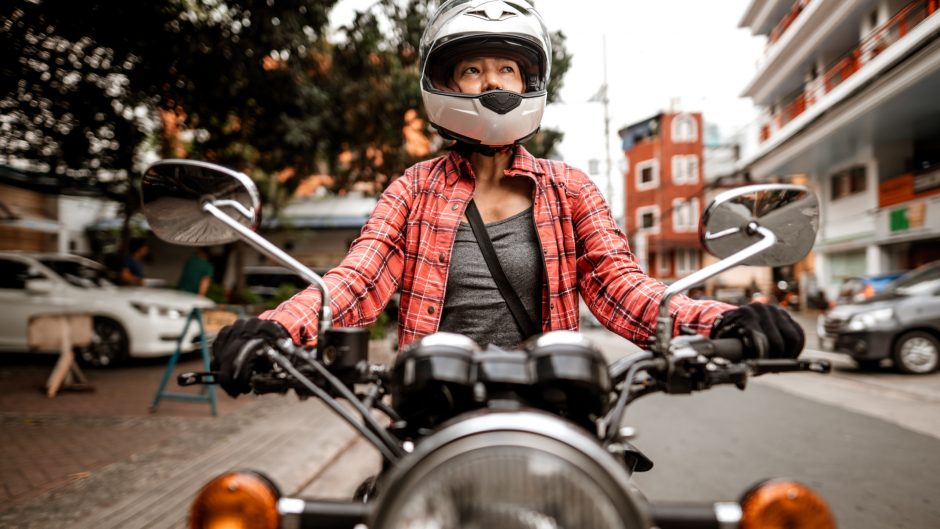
(475, 75)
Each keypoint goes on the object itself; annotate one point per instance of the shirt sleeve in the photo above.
(362, 284)
(614, 287)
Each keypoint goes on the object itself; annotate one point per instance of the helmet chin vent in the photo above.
(501, 101)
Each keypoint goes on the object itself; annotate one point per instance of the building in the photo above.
(42, 212)
(663, 187)
(849, 97)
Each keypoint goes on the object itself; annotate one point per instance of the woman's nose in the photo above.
(491, 81)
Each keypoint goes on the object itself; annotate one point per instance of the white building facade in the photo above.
(850, 99)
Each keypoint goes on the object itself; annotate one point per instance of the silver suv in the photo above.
(902, 323)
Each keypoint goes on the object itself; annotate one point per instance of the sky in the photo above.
(660, 53)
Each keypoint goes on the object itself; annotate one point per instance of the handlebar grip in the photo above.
(728, 348)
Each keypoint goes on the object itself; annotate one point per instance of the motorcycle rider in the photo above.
(485, 66)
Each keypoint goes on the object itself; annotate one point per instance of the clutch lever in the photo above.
(197, 378)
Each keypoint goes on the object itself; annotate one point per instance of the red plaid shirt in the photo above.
(408, 240)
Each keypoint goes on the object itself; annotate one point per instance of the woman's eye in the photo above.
(473, 70)
(508, 69)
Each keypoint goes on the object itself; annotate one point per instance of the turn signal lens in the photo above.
(236, 500)
(782, 504)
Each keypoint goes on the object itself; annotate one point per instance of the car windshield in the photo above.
(924, 280)
(78, 273)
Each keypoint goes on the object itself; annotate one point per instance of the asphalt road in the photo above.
(869, 442)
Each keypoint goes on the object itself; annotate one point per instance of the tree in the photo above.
(253, 84)
(85, 85)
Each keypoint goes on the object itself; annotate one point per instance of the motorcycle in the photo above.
(486, 437)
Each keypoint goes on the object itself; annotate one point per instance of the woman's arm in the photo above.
(363, 283)
(616, 290)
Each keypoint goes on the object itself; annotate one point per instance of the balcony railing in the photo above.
(787, 21)
(878, 40)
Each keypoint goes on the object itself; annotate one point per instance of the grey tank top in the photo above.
(473, 305)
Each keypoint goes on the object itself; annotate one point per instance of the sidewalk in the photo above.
(101, 460)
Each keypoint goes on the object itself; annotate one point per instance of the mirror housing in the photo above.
(174, 195)
(791, 212)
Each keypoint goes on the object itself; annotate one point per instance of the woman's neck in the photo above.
(490, 170)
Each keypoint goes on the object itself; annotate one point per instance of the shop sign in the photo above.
(907, 217)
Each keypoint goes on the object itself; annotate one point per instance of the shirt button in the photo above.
(441, 258)
(455, 206)
(431, 310)
(552, 306)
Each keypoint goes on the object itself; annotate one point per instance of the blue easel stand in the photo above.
(208, 391)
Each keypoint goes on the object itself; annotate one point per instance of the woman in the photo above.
(485, 68)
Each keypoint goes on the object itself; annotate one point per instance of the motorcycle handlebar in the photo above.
(730, 349)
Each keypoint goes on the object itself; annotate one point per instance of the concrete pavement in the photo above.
(101, 460)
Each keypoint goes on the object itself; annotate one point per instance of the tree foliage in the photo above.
(255, 84)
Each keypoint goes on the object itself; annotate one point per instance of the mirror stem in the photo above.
(262, 245)
(664, 322)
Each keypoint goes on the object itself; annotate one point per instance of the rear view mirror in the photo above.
(176, 194)
(201, 204)
(791, 212)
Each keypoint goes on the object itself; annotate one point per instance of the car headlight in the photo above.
(511, 471)
(151, 310)
(870, 319)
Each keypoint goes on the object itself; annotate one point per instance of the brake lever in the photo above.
(197, 378)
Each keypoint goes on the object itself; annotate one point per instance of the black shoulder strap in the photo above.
(526, 326)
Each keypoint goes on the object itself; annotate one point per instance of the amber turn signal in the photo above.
(782, 504)
(236, 500)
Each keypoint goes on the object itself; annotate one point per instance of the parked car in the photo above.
(127, 321)
(858, 289)
(901, 323)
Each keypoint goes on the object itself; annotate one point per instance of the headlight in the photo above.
(509, 471)
(156, 310)
(868, 320)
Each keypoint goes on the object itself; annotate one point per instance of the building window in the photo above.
(662, 261)
(684, 215)
(684, 129)
(686, 261)
(685, 169)
(647, 174)
(647, 219)
(849, 182)
(594, 167)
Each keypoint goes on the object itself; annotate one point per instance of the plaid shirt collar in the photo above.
(522, 164)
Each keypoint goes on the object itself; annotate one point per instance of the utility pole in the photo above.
(606, 101)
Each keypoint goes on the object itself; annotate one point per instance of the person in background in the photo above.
(132, 269)
(197, 273)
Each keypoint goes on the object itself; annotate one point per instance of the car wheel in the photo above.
(109, 345)
(917, 352)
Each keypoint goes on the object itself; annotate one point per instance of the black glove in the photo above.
(766, 331)
(233, 360)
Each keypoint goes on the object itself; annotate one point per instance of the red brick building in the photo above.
(663, 192)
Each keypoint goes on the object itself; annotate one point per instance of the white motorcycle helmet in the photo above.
(511, 29)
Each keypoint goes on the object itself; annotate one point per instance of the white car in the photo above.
(127, 321)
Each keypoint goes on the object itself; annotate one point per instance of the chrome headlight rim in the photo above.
(525, 429)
